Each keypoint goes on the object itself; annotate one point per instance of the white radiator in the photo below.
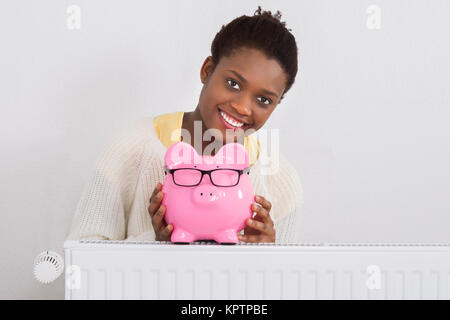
(206, 270)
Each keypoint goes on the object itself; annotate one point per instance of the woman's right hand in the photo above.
(163, 231)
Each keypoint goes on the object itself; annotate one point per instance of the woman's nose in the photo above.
(242, 106)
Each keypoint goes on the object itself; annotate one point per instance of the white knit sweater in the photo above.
(114, 203)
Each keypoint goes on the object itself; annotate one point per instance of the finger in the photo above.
(263, 213)
(155, 203)
(167, 231)
(260, 226)
(264, 202)
(156, 190)
(157, 220)
(251, 238)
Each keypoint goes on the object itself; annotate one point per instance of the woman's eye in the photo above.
(264, 100)
(232, 83)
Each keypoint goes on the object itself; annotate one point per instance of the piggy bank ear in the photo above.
(233, 155)
(180, 154)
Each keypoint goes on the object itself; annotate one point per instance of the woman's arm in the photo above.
(103, 208)
(286, 193)
(287, 228)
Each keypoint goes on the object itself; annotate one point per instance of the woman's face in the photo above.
(245, 86)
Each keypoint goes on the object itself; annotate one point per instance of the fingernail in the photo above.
(257, 198)
(250, 221)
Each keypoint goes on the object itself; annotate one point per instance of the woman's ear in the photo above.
(206, 70)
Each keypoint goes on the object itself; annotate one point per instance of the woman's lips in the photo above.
(226, 124)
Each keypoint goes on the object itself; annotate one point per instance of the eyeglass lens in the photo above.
(221, 177)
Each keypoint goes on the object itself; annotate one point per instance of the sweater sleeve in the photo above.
(103, 208)
(287, 228)
(287, 194)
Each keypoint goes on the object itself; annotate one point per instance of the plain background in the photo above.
(365, 124)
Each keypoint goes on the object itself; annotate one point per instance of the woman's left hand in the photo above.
(261, 227)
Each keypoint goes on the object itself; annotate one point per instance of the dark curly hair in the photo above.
(263, 31)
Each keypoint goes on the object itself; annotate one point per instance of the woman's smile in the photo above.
(230, 122)
(238, 109)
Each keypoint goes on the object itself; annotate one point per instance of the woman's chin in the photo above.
(237, 136)
(227, 134)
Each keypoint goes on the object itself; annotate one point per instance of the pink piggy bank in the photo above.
(207, 197)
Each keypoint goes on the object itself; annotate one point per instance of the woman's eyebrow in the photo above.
(245, 81)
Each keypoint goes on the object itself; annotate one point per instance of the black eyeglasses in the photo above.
(191, 177)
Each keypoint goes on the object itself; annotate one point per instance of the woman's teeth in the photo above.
(230, 121)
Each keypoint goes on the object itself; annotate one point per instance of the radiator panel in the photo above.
(159, 270)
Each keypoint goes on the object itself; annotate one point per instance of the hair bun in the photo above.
(267, 13)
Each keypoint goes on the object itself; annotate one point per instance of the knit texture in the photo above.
(114, 202)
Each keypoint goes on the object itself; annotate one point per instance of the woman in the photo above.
(253, 63)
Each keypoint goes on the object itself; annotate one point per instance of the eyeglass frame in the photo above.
(207, 172)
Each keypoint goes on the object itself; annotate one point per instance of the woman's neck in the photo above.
(188, 124)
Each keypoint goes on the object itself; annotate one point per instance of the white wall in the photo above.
(369, 112)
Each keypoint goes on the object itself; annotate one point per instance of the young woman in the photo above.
(253, 64)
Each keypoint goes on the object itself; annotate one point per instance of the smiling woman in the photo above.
(253, 64)
(244, 87)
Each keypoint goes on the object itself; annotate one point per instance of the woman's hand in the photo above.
(163, 231)
(261, 227)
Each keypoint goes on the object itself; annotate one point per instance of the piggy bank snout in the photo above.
(206, 194)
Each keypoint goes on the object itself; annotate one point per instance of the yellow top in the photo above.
(168, 129)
